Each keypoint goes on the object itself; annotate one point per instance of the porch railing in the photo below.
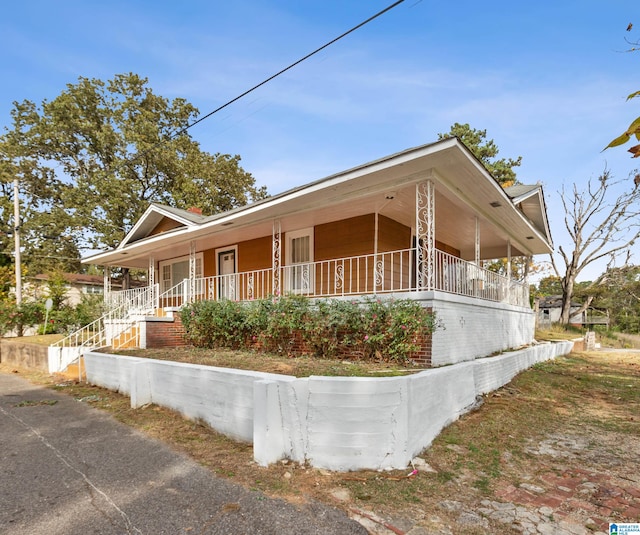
(141, 299)
(388, 272)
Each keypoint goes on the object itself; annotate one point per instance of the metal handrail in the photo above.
(379, 273)
(107, 328)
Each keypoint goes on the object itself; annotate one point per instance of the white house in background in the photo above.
(76, 284)
(417, 224)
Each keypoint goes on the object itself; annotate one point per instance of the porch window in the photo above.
(299, 259)
(176, 270)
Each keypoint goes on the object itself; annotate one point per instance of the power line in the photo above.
(228, 103)
(272, 77)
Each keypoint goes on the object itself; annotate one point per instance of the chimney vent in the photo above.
(195, 210)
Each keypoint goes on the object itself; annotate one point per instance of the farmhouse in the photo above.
(418, 224)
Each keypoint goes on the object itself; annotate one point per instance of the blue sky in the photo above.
(548, 80)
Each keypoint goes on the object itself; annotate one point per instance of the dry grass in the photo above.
(40, 339)
(303, 366)
(593, 396)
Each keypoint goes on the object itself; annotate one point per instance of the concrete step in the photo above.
(73, 371)
(127, 339)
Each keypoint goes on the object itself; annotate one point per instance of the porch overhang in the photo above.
(465, 194)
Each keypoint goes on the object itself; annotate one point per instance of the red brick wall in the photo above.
(165, 333)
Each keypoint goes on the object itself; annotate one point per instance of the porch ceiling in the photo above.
(464, 191)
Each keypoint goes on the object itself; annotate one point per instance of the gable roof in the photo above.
(154, 215)
(462, 181)
(530, 200)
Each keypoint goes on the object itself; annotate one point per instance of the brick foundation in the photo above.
(165, 334)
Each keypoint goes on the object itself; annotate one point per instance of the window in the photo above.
(176, 270)
(299, 261)
(93, 290)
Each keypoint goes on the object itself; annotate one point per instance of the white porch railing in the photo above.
(457, 276)
(139, 299)
(389, 272)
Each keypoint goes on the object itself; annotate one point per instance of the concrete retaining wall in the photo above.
(338, 423)
(24, 355)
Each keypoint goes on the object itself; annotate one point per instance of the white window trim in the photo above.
(170, 262)
(289, 237)
(292, 235)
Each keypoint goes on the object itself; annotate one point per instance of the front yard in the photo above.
(555, 448)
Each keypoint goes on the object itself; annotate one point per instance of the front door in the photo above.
(226, 272)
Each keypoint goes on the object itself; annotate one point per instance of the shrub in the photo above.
(286, 317)
(376, 329)
(215, 323)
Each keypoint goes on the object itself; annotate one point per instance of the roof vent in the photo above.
(495, 204)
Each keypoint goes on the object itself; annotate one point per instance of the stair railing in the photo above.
(102, 332)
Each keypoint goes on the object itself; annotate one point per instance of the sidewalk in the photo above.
(68, 469)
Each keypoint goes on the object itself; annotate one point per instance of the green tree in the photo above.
(551, 285)
(486, 151)
(94, 158)
(618, 293)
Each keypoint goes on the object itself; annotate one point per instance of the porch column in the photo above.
(378, 268)
(509, 260)
(151, 282)
(477, 244)
(192, 271)
(276, 255)
(106, 285)
(425, 235)
(151, 272)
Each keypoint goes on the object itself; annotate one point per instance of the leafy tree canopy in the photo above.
(618, 292)
(551, 285)
(486, 151)
(91, 160)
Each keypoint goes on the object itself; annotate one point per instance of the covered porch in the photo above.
(423, 224)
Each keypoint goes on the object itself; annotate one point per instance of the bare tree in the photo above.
(598, 228)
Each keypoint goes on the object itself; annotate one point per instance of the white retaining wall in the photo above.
(337, 423)
(59, 358)
(478, 327)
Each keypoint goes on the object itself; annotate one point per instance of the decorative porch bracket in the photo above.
(276, 258)
(192, 272)
(425, 235)
(106, 284)
(151, 272)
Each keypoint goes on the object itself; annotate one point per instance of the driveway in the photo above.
(68, 469)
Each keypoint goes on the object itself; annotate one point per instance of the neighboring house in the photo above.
(417, 224)
(550, 309)
(77, 285)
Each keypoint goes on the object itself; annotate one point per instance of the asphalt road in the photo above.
(69, 469)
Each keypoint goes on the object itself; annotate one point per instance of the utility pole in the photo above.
(16, 236)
